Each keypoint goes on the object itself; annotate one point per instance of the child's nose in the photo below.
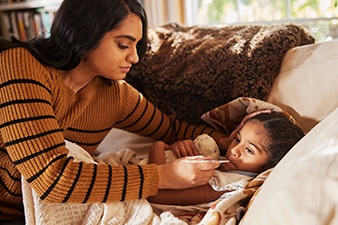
(236, 151)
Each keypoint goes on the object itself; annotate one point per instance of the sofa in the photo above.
(280, 64)
(188, 71)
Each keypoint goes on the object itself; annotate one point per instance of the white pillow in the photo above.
(307, 84)
(303, 187)
(117, 140)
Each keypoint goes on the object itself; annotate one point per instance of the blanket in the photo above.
(228, 209)
(231, 206)
(188, 70)
(228, 116)
(130, 212)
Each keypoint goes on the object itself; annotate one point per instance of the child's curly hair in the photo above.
(283, 135)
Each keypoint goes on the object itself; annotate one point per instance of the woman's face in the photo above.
(116, 52)
(248, 150)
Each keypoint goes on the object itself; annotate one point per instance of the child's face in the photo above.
(248, 150)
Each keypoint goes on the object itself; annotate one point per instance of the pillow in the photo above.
(189, 70)
(307, 83)
(118, 139)
(302, 188)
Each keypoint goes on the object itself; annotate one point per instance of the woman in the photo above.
(69, 86)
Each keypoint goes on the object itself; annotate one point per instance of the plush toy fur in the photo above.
(205, 144)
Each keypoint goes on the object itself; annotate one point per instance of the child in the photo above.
(258, 144)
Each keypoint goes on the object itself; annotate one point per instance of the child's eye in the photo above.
(237, 139)
(249, 151)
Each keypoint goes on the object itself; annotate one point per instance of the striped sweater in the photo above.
(38, 112)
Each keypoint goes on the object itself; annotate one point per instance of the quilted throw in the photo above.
(189, 70)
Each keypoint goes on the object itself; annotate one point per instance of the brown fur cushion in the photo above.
(189, 70)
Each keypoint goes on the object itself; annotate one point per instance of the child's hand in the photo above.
(184, 148)
(224, 142)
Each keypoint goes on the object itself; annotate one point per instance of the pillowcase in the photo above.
(302, 188)
(307, 83)
(189, 70)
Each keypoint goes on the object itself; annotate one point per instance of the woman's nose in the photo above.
(133, 57)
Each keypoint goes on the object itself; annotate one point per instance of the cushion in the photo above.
(189, 70)
(302, 188)
(307, 83)
(117, 140)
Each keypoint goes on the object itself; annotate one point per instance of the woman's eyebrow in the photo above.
(127, 37)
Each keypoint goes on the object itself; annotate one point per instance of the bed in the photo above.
(191, 70)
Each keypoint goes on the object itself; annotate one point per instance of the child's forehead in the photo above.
(255, 125)
(257, 133)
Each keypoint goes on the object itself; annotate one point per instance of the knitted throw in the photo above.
(189, 70)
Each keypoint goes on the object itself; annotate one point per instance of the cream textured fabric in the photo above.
(307, 84)
(129, 212)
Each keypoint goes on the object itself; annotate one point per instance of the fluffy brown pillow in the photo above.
(189, 70)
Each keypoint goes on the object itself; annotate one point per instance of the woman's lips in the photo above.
(125, 69)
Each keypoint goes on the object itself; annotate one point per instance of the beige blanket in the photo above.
(131, 212)
(228, 208)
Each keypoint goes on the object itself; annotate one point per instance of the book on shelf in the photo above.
(21, 26)
(26, 24)
(11, 1)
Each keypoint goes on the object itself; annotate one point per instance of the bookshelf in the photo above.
(26, 19)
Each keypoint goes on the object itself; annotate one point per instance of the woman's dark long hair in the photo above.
(78, 27)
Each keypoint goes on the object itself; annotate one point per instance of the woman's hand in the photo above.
(186, 172)
(184, 148)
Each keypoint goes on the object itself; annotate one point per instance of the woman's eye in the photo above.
(237, 139)
(121, 46)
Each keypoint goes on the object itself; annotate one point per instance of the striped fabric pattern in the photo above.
(38, 112)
